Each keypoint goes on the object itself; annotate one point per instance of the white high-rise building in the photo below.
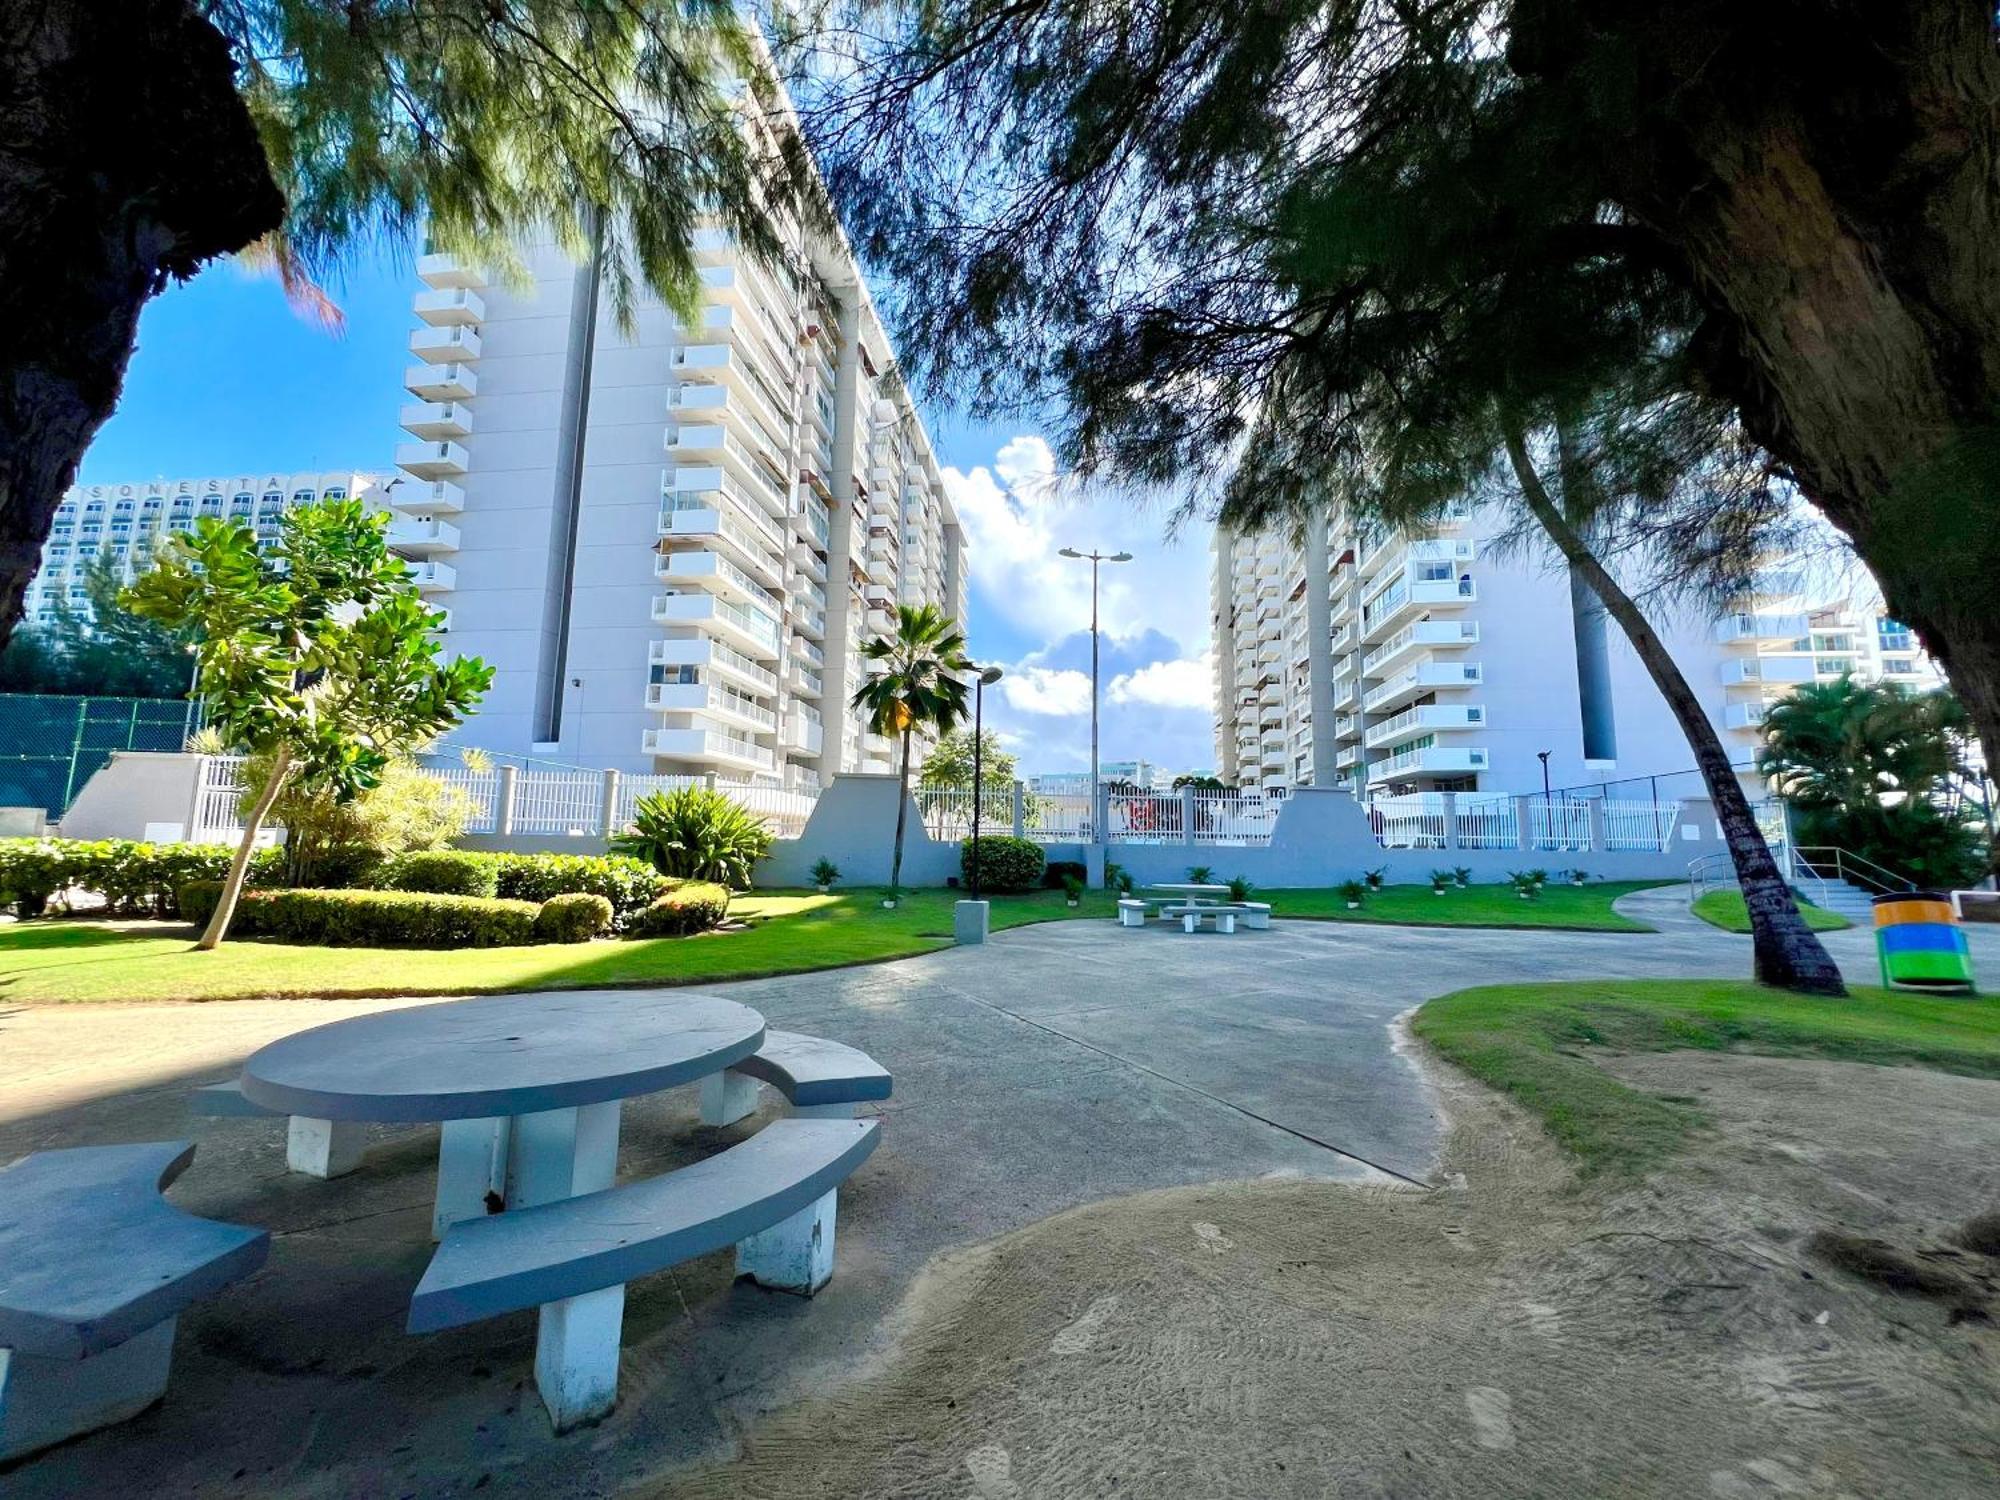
(671, 541)
(127, 521)
(1430, 664)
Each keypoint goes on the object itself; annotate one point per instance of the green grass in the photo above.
(1532, 1042)
(1725, 909)
(785, 932)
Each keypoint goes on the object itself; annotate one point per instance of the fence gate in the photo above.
(51, 744)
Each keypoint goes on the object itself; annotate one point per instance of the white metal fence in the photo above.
(1418, 820)
(947, 812)
(1058, 817)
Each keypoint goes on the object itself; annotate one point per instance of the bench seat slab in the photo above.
(813, 1070)
(48, 1401)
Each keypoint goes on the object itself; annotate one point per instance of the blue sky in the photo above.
(228, 379)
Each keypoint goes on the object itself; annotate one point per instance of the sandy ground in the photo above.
(1512, 1334)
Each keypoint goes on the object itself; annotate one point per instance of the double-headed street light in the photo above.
(986, 678)
(1095, 559)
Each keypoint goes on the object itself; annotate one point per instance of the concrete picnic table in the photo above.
(526, 1087)
(1194, 893)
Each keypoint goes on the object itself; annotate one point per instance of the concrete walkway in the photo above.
(1056, 1066)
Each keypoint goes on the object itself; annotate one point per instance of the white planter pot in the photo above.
(1354, 906)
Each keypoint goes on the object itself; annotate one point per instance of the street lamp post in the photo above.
(1547, 817)
(1096, 557)
(987, 677)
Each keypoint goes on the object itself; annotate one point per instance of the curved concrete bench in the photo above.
(95, 1267)
(1131, 912)
(773, 1197)
(318, 1148)
(818, 1078)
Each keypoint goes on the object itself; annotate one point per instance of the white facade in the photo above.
(671, 541)
(1438, 666)
(127, 521)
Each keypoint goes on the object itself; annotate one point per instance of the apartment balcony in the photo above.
(450, 272)
(745, 477)
(809, 652)
(421, 536)
(451, 307)
(880, 622)
(433, 577)
(1347, 757)
(720, 363)
(436, 497)
(1420, 636)
(714, 659)
(1786, 583)
(444, 346)
(1427, 718)
(1433, 760)
(810, 623)
(433, 460)
(708, 747)
(750, 630)
(1744, 715)
(810, 522)
(803, 680)
(1427, 677)
(1756, 671)
(447, 382)
(1344, 727)
(713, 700)
(714, 247)
(1395, 605)
(436, 419)
(1757, 629)
(802, 734)
(752, 417)
(754, 551)
(708, 569)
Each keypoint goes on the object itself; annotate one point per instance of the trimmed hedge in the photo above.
(574, 917)
(694, 907)
(443, 872)
(630, 885)
(1005, 863)
(133, 878)
(373, 919)
(1059, 870)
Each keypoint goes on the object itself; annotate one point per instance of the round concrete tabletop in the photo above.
(501, 1055)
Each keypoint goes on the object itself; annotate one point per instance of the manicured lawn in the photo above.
(1725, 909)
(784, 932)
(1533, 1041)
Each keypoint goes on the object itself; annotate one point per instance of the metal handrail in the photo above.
(1849, 867)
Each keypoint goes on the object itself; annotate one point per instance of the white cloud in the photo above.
(1187, 684)
(1026, 459)
(1040, 690)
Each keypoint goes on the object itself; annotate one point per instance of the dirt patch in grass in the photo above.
(1515, 1332)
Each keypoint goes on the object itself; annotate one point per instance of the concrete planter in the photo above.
(969, 921)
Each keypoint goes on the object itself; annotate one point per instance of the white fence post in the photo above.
(1187, 815)
(607, 818)
(1020, 810)
(1597, 831)
(1451, 820)
(1524, 819)
(503, 801)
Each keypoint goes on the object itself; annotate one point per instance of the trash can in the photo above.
(1918, 941)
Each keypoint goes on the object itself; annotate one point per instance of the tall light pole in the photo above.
(986, 678)
(1095, 559)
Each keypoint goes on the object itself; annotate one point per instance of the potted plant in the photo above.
(1540, 878)
(1463, 876)
(1200, 875)
(1072, 891)
(1440, 879)
(1525, 884)
(824, 873)
(1239, 889)
(1578, 877)
(1351, 891)
(890, 899)
(1375, 877)
(1124, 882)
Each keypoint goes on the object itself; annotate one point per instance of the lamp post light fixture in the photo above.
(986, 678)
(1096, 558)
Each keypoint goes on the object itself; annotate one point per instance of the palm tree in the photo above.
(916, 688)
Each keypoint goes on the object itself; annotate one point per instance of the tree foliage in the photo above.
(915, 685)
(948, 766)
(101, 649)
(318, 657)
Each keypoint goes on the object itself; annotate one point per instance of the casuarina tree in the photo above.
(319, 658)
(141, 139)
(915, 685)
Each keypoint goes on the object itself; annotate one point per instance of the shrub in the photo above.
(1353, 892)
(1375, 877)
(1200, 875)
(694, 907)
(195, 901)
(332, 844)
(1072, 888)
(380, 919)
(132, 877)
(1239, 889)
(630, 885)
(1058, 871)
(824, 871)
(573, 917)
(1004, 863)
(443, 872)
(696, 833)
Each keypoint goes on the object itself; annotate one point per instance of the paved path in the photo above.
(1058, 1065)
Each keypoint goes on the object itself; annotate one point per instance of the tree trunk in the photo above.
(1827, 179)
(127, 159)
(902, 815)
(239, 864)
(1784, 950)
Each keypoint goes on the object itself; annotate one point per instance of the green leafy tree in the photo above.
(916, 687)
(303, 127)
(948, 766)
(1877, 770)
(318, 657)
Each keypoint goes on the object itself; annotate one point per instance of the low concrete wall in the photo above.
(137, 794)
(854, 825)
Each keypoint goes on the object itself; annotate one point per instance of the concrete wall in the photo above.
(854, 825)
(137, 794)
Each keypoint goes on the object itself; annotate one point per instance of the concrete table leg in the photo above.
(795, 1254)
(472, 1162)
(576, 1356)
(727, 1097)
(325, 1148)
(562, 1153)
(44, 1401)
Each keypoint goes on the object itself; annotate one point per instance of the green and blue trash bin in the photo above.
(1920, 944)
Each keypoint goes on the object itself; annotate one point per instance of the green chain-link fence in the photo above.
(51, 744)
